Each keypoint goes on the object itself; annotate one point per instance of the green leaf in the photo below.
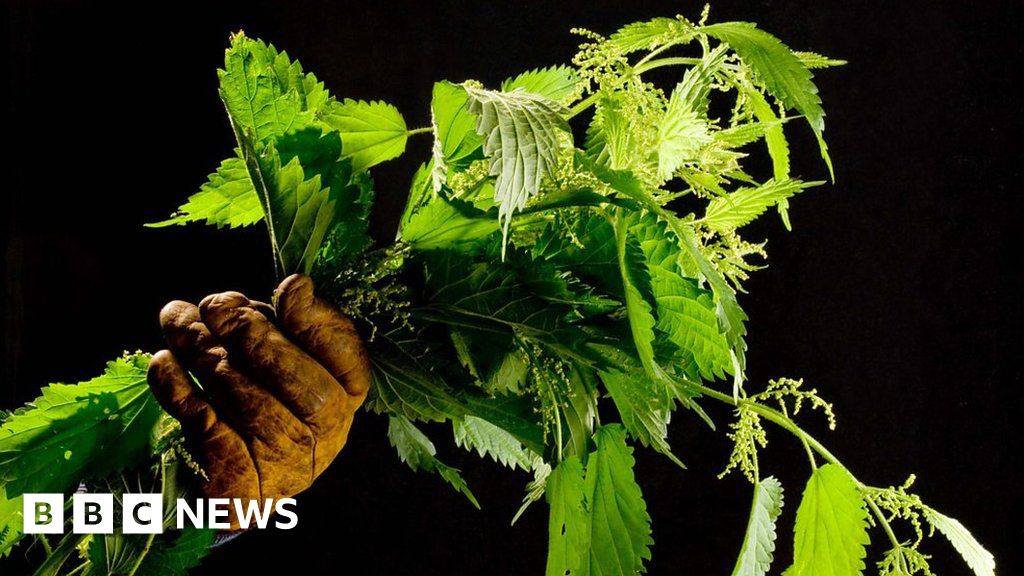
(813, 60)
(636, 281)
(741, 207)
(775, 140)
(416, 450)
(651, 34)
(403, 386)
(599, 525)
(456, 142)
(556, 83)
(445, 223)
(498, 300)
(536, 487)
(758, 549)
(980, 560)
(349, 235)
(831, 526)
(782, 72)
(306, 191)
(474, 433)
(11, 523)
(731, 317)
(682, 134)
(612, 139)
(685, 312)
(568, 537)
(265, 93)
(177, 556)
(371, 132)
(227, 199)
(693, 91)
(522, 134)
(643, 408)
(78, 431)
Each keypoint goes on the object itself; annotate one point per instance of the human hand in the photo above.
(277, 398)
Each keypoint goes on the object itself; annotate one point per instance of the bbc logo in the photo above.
(92, 513)
(144, 513)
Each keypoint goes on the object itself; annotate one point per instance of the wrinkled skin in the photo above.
(277, 397)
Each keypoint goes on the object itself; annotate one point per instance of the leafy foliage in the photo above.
(782, 71)
(522, 133)
(372, 132)
(599, 522)
(741, 207)
(227, 199)
(831, 526)
(979, 559)
(557, 83)
(79, 431)
(758, 549)
(473, 433)
(177, 555)
(416, 450)
(612, 289)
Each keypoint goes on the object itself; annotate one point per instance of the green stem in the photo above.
(881, 520)
(423, 130)
(809, 442)
(46, 544)
(774, 416)
(142, 556)
(661, 62)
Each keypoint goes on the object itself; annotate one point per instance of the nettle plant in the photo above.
(534, 277)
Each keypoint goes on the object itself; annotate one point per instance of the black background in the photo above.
(896, 295)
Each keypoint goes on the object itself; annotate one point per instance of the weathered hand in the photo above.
(276, 400)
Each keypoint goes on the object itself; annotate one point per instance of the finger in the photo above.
(302, 384)
(328, 335)
(184, 331)
(218, 447)
(281, 445)
(174, 391)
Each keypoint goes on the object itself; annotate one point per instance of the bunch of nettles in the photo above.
(535, 275)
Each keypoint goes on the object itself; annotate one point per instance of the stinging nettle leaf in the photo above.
(654, 33)
(814, 60)
(600, 525)
(685, 312)
(456, 142)
(758, 549)
(558, 83)
(226, 199)
(980, 560)
(371, 132)
(643, 408)
(416, 450)
(445, 223)
(474, 433)
(303, 183)
(782, 71)
(741, 207)
(831, 526)
(522, 134)
(682, 134)
(58, 441)
(265, 93)
(568, 538)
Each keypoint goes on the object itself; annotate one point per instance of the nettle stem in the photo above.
(809, 442)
